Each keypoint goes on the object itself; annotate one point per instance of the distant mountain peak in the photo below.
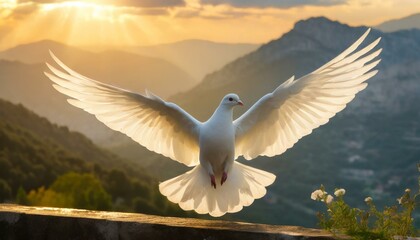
(44, 43)
(37, 52)
(409, 22)
(315, 20)
(320, 25)
(320, 32)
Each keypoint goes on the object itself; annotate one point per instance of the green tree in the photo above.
(73, 190)
(48, 197)
(21, 197)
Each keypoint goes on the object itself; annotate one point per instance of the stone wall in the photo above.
(22, 222)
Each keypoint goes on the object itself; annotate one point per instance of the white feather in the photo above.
(192, 190)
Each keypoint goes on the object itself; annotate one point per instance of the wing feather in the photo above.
(160, 126)
(279, 119)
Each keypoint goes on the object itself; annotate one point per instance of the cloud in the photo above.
(151, 3)
(25, 9)
(126, 3)
(127, 7)
(273, 3)
(219, 15)
(144, 11)
(20, 11)
(187, 13)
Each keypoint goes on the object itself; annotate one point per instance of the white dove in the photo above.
(271, 126)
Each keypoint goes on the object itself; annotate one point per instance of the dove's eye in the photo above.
(230, 99)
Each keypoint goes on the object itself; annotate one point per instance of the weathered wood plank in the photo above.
(22, 222)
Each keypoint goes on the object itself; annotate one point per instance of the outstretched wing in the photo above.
(160, 126)
(279, 119)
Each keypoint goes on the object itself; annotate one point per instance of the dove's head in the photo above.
(232, 100)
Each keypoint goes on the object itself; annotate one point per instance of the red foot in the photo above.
(224, 177)
(213, 181)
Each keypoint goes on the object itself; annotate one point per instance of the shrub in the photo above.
(390, 223)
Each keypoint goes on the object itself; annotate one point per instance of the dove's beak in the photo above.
(240, 103)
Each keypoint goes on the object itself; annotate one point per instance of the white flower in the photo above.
(407, 190)
(317, 194)
(340, 192)
(329, 199)
(368, 199)
(399, 200)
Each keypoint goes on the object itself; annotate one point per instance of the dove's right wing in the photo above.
(160, 126)
(279, 119)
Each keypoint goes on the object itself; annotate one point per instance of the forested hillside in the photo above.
(41, 163)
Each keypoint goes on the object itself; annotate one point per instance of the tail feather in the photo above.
(193, 191)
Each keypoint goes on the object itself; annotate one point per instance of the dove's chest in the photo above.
(217, 140)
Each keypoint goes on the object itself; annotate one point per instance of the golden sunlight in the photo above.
(89, 23)
(106, 23)
(6, 7)
(85, 9)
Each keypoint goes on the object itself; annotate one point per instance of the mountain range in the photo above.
(310, 44)
(120, 68)
(22, 79)
(370, 149)
(197, 57)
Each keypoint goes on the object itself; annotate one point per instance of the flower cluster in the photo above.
(329, 199)
(322, 195)
(317, 194)
(340, 192)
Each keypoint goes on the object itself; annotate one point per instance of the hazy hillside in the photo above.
(197, 57)
(73, 142)
(37, 52)
(27, 84)
(410, 22)
(116, 67)
(34, 153)
(371, 148)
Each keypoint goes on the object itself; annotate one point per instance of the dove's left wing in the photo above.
(160, 126)
(279, 119)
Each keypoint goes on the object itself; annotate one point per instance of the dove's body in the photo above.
(271, 126)
(217, 142)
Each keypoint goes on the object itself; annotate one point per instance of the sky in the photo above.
(149, 22)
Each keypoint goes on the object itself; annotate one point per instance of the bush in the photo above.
(21, 197)
(371, 223)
